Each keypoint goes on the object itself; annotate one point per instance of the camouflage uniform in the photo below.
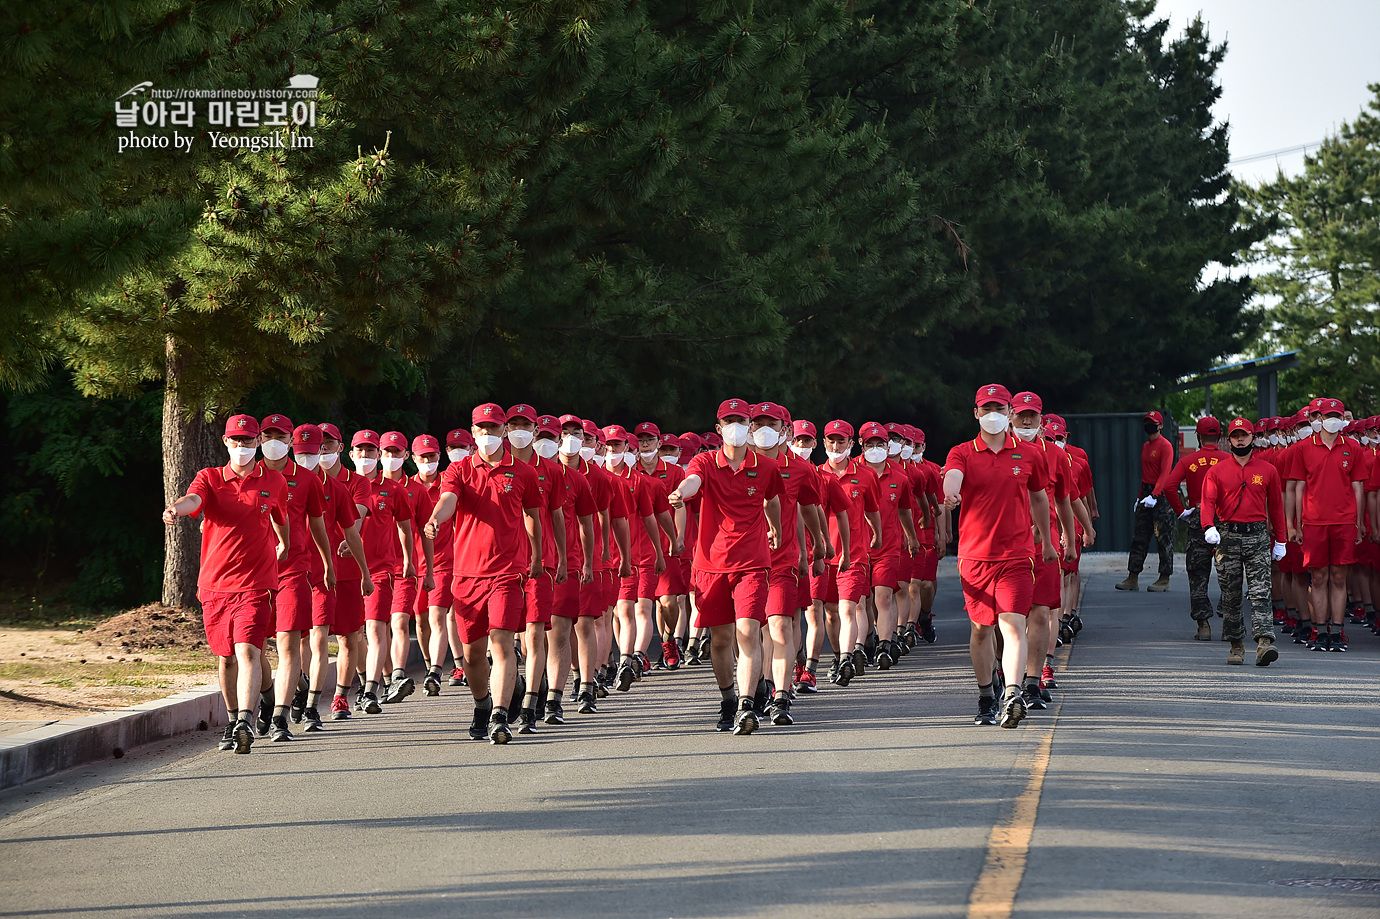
(1248, 555)
(1159, 520)
(1198, 561)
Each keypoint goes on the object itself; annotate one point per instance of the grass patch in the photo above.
(71, 674)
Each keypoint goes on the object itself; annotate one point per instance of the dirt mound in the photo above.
(152, 627)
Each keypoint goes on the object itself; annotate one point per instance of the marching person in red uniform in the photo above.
(353, 583)
(860, 490)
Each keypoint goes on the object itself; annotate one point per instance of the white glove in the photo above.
(1148, 501)
(1211, 536)
(1277, 553)
(1184, 515)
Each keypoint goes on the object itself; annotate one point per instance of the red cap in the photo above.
(919, 436)
(1208, 427)
(546, 424)
(1059, 418)
(1241, 424)
(1153, 416)
(803, 428)
(993, 392)
(241, 426)
(548, 419)
(330, 431)
(365, 436)
(616, 432)
(771, 410)
(838, 426)
(647, 427)
(523, 410)
(911, 433)
(734, 407)
(592, 429)
(1330, 406)
(425, 443)
(1027, 402)
(571, 419)
(871, 429)
(488, 413)
(280, 423)
(306, 438)
(1315, 405)
(690, 442)
(896, 429)
(458, 438)
(671, 442)
(713, 439)
(397, 440)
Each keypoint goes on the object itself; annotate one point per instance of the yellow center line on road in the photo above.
(1008, 845)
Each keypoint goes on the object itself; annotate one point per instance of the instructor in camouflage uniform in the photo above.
(1191, 470)
(1243, 499)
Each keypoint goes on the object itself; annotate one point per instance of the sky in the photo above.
(1294, 71)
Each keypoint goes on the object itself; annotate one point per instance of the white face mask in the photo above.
(629, 459)
(596, 458)
(836, 457)
(894, 447)
(802, 452)
(241, 456)
(875, 454)
(766, 438)
(1315, 425)
(571, 445)
(672, 458)
(919, 454)
(456, 454)
(328, 460)
(274, 449)
(364, 465)
(428, 468)
(1027, 433)
(1259, 442)
(392, 463)
(489, 444)
(907, 451)
(734, 434)
(546, 447)
(1333, 425)
(587, 454)
(519, 439)
(1061, 445)
(649, 455)
(307, 461)
(994, 422)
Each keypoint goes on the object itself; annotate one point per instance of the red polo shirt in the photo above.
(1059, 465)
(645, 498)
(994, 516)
(552, 499)
(733, 524)
(893, 494)
(1156, 459)
(238, 546)
(606, 498)
(798, 487)
(387, 505)
(1243, 494)
(1327, 474)
(858, 483)
(443, 546)
(419, 504)
(490, 528)
(305, 498)
(579, 502)
(669, 475)
(359, 494)
(339, 515)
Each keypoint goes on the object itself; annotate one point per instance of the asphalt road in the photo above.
(1167, 784)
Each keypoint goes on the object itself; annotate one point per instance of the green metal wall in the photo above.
(1113, 443)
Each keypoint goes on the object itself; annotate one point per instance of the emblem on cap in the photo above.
(488, 409)
(1027, 398)
(732, 403)
(306, 436)
(991, 390)
(241, 422)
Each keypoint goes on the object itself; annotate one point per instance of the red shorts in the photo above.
(405, 592)
(825, 586)
(671, 582)
(1072, 567)
(566, 597)
(803, 598)
(1330, 544)
(1049, 585)
(292, 604)
(322, 605)
(641, 586)
(783, 588)
(349, 607)
(721, 599)
(484, 604)
(1292, 563)
(241, 617)
(990, 588)
(592, 596)
(855, 583)
(540, 596)
(926, 566)
(378, 606)
(607, 583)
(891, 571)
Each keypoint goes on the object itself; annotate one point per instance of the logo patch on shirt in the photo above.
(752, 490)
(1257, 480)
(1015, 456)
(1015, 470)
(263, 494)
(751, 474)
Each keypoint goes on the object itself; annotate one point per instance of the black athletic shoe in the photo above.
(279, 729)
(762, 698)
(859, 662)
(692, 654)
(431, 685)
(870, 645)
(587, 704)
(640, 666)
(780, 711)
(244, 736)
(927, 634)
(912, 637)
(227, 740)
(884, 660)
(514, 707)
(727, 713)
(627, 675)
(899, 645)
(746, 722)
(371, 704)
(574, 688)
(479, 724)
(1323, 642)
(400, 690)
(1032, 699)
(1338, 642)
(1065, 630)
(359, 700)
(998, 682)
(987, 710)
(527, 721)
(498, 727)
(1076, 623)
(601, 689)
(299, 703)
(312, 719)
(265, 718)
(554, 713)
(834, 672)
(1045, 697)
(846, 673)
(1012, 708)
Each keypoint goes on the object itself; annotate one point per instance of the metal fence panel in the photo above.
(1113, 442)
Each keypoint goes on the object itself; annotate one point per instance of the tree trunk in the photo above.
(189, 445)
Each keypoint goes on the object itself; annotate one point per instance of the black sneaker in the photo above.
(479, 724)
(727, 713)
(912, 636)
(1066, 629)
(987, 710)
(692, 654)
(1012, 708)
(899, 645)
(400, 690)
(244, 736)
(627, 675)
(998, 682)
(640, 666)
(834, 672)
(746, 721)
(527, 721)
(780, 711)
(265, 717)
(846, 673)
(1076, 623)
(1045, 697)
(927, 634)
(431, 685)
(574, 688)
(359, 700)
(227, 740)
(555, 714)
(299, 703)
(312, 719)
(859, 662)
(371, 704)
(1032, 699)
(601, 689)
(762, 698)
(884, 660)
(1323, 642)
(279, 729)
(870, 645)
(1338, 642)
(587, 704)
(498, 727)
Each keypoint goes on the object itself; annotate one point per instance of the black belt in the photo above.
(1254, 526)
